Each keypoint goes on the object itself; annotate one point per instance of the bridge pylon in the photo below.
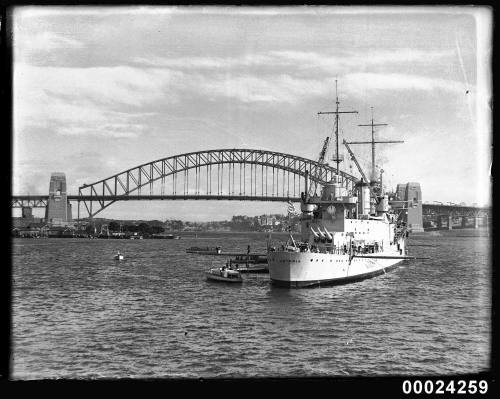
(58, 210)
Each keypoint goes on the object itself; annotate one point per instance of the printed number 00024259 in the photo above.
(442, 387)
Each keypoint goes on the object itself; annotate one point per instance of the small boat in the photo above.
(250, 259)
(166, 236)
(118, 256)
(204, 250)
(222, 274)
(249, 266)
(253, 268)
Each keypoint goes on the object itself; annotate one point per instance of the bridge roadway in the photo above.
(40, 201)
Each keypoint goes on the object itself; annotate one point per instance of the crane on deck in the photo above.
(321, 159)
(353, 157)
(363, 176)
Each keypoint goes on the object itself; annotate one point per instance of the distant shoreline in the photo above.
(193, 233)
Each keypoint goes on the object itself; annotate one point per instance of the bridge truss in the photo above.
(432, 210)
(225, 174)
(29, 201)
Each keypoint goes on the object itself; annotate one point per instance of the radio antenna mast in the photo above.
(337, 112)
(373, 142)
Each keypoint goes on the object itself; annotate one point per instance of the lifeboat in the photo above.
(226, 275)
(328, 235)
(316, 235)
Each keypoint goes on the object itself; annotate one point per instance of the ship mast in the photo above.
(373, 142)
(337, 112)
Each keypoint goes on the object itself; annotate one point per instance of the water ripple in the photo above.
(77, 313)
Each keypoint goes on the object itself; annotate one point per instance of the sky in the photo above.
(98, 90)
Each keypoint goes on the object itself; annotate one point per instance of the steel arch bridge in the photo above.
(223, 174)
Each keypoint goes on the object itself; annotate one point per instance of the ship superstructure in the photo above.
(346, 235)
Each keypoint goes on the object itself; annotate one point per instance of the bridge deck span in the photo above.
(182, 197)
(17, 200)
(35, 201)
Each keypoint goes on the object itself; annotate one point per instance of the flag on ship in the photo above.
(291, 208)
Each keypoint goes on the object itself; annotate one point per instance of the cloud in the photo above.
(368, 82)
(345, 60)
(85, 94)
(121, 129)
(111, 101)
(109, 85)
(289, 88)
(274, 89)
(104, 102)
(213, 62)
(76, 119)
(44, 41)
(300, 60)
(259, 77)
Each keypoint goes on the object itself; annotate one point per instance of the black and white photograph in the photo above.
(252, 192)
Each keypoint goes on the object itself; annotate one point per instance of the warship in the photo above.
(347, 233)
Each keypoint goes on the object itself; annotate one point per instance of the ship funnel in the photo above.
(308, 208)
(329, 192)
(332, 189)
(364, 203)
(383, 205)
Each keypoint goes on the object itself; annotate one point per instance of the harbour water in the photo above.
(77, 313)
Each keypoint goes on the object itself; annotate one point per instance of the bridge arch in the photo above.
(129, 184)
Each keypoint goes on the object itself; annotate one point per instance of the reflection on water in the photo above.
(77, 313)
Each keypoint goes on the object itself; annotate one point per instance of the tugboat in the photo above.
(250, 259)
(225, 273)
(347, 233)
(251, 263)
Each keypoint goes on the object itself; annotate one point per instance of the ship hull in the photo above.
(297, 270)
